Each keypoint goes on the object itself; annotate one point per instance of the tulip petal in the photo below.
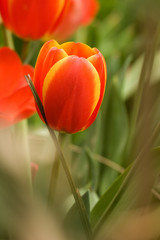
(16, 107)
(27, 69)
(35, 16)
(90, 9)
(10, 72)
(68, 21)
(4, 9)
(74, 14)
(99, 63)
(48, 56)
(78, 49)
(70, 93)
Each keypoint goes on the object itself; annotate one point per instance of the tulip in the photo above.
(33, 19)
(70, 80)
(16, 100)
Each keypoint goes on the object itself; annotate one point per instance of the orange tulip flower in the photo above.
(33, 19)
(70, 80)
(16, 100)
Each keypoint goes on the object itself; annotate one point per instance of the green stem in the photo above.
(24, 53)
(7, 37)
(53, 180)
(4, 35)
(34, 46)
(75, 191)
(21, 131)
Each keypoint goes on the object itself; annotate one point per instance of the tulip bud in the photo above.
(70, 80)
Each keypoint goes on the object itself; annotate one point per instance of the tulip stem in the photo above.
(53, 179)
(24, 53)
(21, 130)
(78, 200)
(75, 191)
(8, 37)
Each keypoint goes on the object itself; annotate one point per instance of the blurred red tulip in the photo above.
(16, 100)
(70, 79)
(33, 19)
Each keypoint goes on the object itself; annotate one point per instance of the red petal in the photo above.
(35, 16)
(100, 65)
(27, 69)
(70, 93)
(90, 8)
(16, 107)
(10, 72)
(68, 21)
(48, 56)
(75, 13)
(4, 10)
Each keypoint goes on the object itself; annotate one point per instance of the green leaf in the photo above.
(133, 74)
(93, 169)
(72, 220)
(93, 199)
(115, 132)
(115, 124)
(101, 208)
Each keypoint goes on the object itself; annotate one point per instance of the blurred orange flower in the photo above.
(70, 79)
(16, 100)
(33, 19)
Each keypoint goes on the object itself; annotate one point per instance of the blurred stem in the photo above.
(7, 37)
(100, 159)
(34, 46)
(21, 131)
(4, 35)
(53, 181)
(54, 175)
(143, 81)
(156, 194)
(25, 47)
(78, 200)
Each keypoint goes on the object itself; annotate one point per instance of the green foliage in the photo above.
(102, 207)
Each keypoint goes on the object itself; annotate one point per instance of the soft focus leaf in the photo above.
(72, 220)
(115, 132)
(102, 205)
(93, 169)
(132, 76)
